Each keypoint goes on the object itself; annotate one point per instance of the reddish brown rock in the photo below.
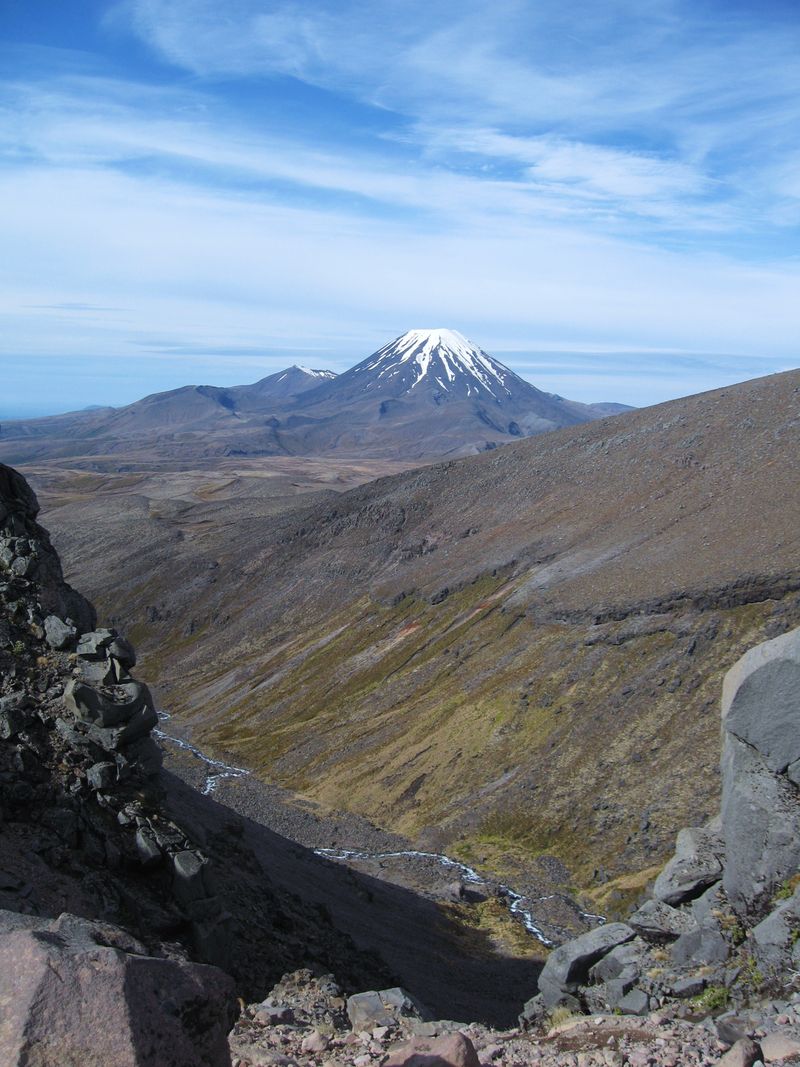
(778, 1046)
(70, 997)
(743, 1054)
(451, 1050)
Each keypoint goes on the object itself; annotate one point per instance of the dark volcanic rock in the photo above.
(567, 967)
(59, 635)
(17, 526)
(657, 921)
(382, 1008)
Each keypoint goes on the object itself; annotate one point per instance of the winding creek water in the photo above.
(216, 770)
(519, 905)
(516, 902)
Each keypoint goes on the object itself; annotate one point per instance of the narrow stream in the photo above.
(518, 905)
(516, 901)
(216, 770)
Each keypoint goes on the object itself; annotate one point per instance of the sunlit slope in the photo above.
(514, 654)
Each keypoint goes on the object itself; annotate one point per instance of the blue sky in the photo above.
(606, 196)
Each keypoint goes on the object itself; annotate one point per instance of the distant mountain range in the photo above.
(427, 393)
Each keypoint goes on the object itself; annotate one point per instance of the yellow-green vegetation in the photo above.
(788, 887)
(514, 739)
(714, 998)
(731, 923)
(615, 897)
(490, 928)
(751, 975)
(560, 1017)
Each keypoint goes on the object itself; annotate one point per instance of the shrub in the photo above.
(715, 998)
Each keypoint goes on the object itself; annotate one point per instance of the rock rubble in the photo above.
(304, 1023)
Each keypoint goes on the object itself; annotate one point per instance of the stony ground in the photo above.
(305, 1022)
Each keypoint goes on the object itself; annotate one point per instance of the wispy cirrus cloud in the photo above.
(295, 175)
(629, 101)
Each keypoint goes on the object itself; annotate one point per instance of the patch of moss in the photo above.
(787, 888)
(714, 998)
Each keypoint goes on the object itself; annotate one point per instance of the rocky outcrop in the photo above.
(723, 920)
(75, 992)
(386, 1007)
(27, 556)
(79, 768)
(567, 967)
(301, 1022)
(696, 865)
(761, 750)
(78, 762)
(90, 825)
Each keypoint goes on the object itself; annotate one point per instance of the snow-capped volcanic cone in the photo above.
(428, 393)
(432, 392)
(441, 360)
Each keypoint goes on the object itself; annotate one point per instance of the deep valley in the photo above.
(514, 658)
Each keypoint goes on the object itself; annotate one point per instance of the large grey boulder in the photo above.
(106, 707)
(657, 921)
(696, 865)
(761, 740)
(615, 978)
(383, 1007)
(776, 939)
(93, 645)
(567, 967)
(761, 700)
(701, 947)
(59, 634)
(80, 994)
(114, 716)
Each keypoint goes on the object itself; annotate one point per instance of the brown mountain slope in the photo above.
(517, 655)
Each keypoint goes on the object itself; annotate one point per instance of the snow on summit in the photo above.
(444, 356)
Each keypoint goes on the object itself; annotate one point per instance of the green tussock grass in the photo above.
(407, 712)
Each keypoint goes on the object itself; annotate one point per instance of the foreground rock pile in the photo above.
(307, 1022)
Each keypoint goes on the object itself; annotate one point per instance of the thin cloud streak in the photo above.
(593, 180)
